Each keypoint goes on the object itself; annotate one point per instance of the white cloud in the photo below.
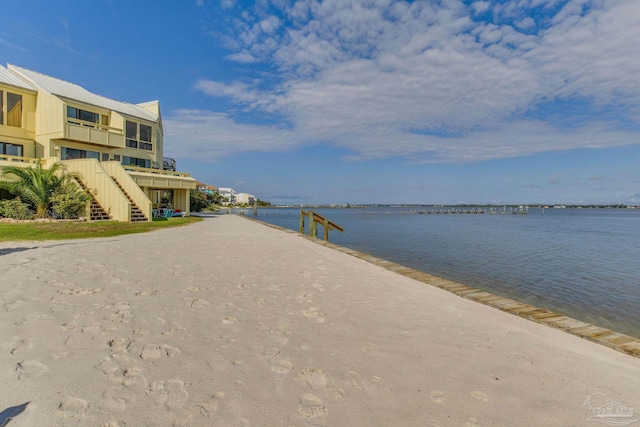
(481, 6)
(526, 23)
(425, 81)
(227, 4)
(593, 56)
(244, 57)
(201, 134)
(205, 135)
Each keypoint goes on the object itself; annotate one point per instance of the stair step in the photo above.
(96, 212)
(136, 212)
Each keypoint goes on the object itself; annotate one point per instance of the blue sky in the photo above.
(364, 101)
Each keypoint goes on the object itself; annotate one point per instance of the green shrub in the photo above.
(197, 201)
(15, 209)
(69, 201)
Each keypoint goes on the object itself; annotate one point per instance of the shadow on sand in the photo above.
(7, 251)
(10, 413)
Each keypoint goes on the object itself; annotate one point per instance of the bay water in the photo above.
(583, 263)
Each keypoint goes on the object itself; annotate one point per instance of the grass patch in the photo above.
(81, 230)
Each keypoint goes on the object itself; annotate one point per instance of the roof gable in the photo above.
(74, 92)
(9, 78)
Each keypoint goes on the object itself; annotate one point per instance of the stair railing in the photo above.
(102, 187)
(314, 220)
(138, 196)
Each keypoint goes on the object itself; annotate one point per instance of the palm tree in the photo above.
(37, 185)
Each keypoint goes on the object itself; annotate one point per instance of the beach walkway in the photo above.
(229, 322)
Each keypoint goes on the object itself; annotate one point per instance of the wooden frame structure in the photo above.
(314, 220)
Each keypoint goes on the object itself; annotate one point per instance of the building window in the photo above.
(134, 161)
(11, 149)
(105, 157)
(72, 153)
(145, 133)
(14, 110)
(85, 116)
(1, 107)
(138, 136)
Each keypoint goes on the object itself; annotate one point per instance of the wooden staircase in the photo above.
(96, 211)
(136, 214)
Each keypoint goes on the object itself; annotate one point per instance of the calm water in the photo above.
(580, 262)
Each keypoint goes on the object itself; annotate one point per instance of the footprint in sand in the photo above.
(73, 407)
(21, 346)
(315, 378)
(229, 320)
(480, 395)
(113, 406)
(169, 393)
(314, 313)
(437, 396)
(304, 297)
(213, 406)
(31, 369)
(311, 406)
(123, 371)
(146, 293)
(271, 352)
(281, 366)
(199, 303)
(115, 400)
(279, 336)
(154, 352)
(119, 345)
(120, 313)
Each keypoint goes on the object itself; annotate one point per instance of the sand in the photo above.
(229, 322)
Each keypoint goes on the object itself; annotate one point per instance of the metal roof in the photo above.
(7, 77)
(77, 93)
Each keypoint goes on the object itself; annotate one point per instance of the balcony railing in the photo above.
(155, 171)
(94, 133)
(19, 159)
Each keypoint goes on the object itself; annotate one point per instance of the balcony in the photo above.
(16, 132)
(20, 161)
(93, 133)
(158, 178)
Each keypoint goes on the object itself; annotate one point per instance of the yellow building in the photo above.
(116, 147)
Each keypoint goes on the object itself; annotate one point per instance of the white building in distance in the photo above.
(245, 199)
(229, 195)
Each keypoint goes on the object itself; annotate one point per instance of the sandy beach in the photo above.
(229, 322)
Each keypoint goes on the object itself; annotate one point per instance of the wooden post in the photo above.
(314, 220)
(326, 230)
(312, 224)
